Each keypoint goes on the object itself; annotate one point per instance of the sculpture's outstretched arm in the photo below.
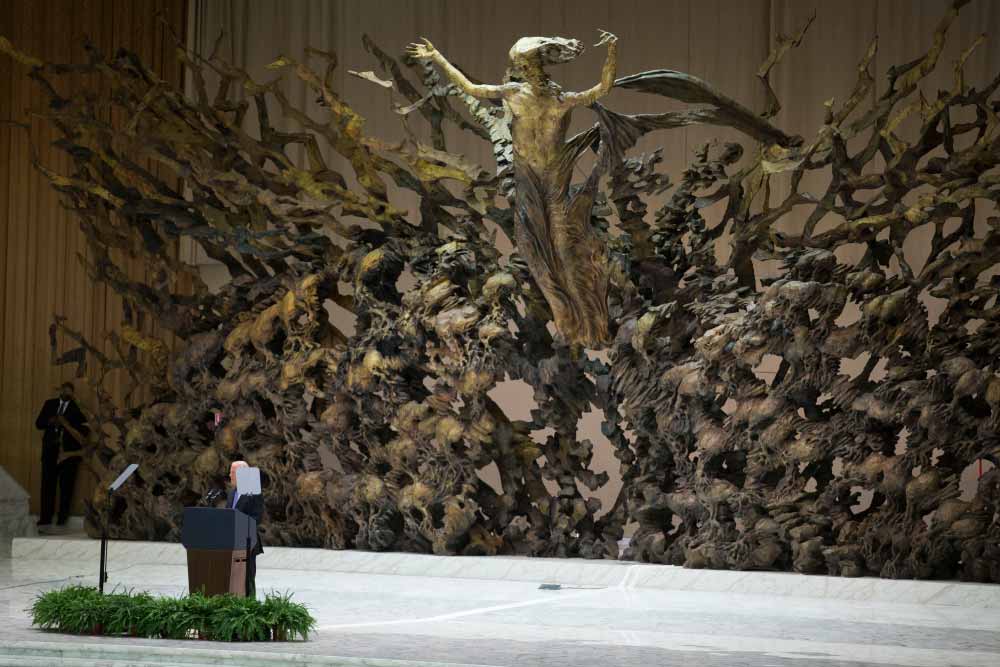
(428, 52)
(591, 95)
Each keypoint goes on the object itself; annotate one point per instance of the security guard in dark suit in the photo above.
(63, 425)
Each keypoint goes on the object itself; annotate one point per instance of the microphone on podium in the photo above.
(213, 495)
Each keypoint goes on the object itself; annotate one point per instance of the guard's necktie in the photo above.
(59, 412)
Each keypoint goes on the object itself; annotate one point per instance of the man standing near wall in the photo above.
(64, 427)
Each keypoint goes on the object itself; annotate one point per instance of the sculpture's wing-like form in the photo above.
(574, 278)
(716, 109)
(621, 130)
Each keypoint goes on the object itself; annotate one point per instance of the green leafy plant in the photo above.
(241, 619)
(48, 608)
(176, 618)
(82, 610)
(125, 611)
(287, 619)
(76, 610)
(203, 615)
(150, 620)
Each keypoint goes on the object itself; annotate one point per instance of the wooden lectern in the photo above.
(216, 543)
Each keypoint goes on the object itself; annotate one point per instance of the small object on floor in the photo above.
(563, 587)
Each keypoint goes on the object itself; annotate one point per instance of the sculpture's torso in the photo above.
(539, 128)
(555, 236)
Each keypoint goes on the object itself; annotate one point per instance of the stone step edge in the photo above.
(32, 661)
(171, 656)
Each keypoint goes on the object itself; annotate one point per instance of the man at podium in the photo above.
(253, 506)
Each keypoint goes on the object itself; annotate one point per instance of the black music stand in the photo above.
(103, 574)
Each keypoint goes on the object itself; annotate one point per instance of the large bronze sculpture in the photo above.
(553, 231)
(374, 439)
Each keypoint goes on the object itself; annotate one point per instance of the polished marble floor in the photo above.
(451, 619)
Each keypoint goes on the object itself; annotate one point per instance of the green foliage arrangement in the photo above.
(83, 610)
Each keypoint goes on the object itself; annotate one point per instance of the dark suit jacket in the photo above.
(51, 434)
(252, 506)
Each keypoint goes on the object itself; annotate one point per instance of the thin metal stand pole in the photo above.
(103, 575)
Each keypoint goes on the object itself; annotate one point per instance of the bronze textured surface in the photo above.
(373, 439)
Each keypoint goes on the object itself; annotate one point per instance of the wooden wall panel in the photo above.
(40, 274)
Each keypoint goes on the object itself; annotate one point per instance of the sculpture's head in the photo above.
(534, 53)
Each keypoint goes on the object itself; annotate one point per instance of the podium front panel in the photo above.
(217, 571)
(207, 528)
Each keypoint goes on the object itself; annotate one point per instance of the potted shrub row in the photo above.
(84, 610)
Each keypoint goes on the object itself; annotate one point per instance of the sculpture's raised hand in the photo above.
(426, 51)
(606, 38)
(423, 51)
